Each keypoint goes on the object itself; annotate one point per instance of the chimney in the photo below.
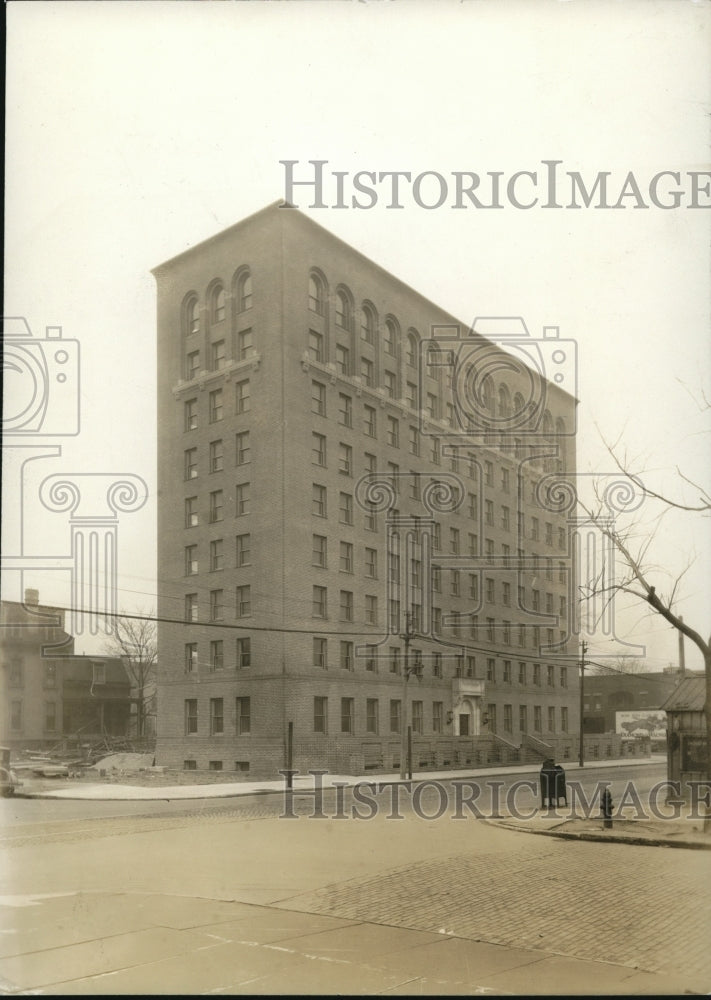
(31, 597)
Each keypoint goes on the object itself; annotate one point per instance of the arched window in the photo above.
(504, 401)
(217, 304)
(244, 292)
(390, 337)
(560, 427)
(487, 394)
(192, 316)
(412, 346)
(317, 298)
(547, 424)
(367, 325)
(343, 310)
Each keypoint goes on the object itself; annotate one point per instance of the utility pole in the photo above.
(682, 665)
(405, 762)
(583, 651)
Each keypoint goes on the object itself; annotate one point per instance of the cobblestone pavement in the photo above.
(612, 903)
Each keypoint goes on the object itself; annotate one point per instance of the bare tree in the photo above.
(135, 641)
(620, 665)
(641, 577)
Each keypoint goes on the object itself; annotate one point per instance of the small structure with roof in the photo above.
(686, 729)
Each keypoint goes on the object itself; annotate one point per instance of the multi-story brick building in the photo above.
(316, 485)
(48, 691)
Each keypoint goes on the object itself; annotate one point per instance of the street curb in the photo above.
(356, 779)
(692, 845)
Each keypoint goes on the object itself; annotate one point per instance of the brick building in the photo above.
(48, 691)
(607, 694)
(316, 484)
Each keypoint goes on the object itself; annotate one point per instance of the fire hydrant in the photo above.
(606, 808)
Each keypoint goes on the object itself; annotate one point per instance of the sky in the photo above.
(136, 130)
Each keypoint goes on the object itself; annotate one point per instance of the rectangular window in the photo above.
(369, 421)
(244, 344)
(505, 480)
(217, 355)
(243, 717)
(320, 714)
(244, 652)
(217, 654)
(537, 674)
(216, 456)
(417, 717)
(564, 720)
(436, 664)
(192, 365)
(191, 414)
(491, 712)
(390, 384)
(345, 410)
(489, 473)
(318, 399)
(506, 518)
(217, 558)
(369, 463)
(395, 715)
(366, 371)
(191, 716)
(434, 451)
(491, 669)
(345, 508)
(50, 716)
(489, 512)
(537, 719)
(490, 622)
(549, 533)
(346, 715)
(437, 579)
(507, 671)
(318, 500)
(346, 606)
(191, 560)
(371, 609)
(217, 609)
(319, 551)
(242, 448)
(243, 605)
(318, 449)
(191, 512)
(473, 544)
(345, 558)
(217, 720)
(371, 715)
(394, 614)
(437, 716)
(216, 406)
(346, 655)
(394, 660)
(191, 657)
(191, 466)
(523, 718)
(216, 506)
(320, 651)
(343, 360)
(508, 718)
(411, 395)
(550, 676)
(506, 593)
(345, 459)
(243, 554)
(242, 397)
(432, 406)
(471, 666)
(371, 563)
(522, 673)
(455, 583)
(564, 677)
(241, 499)
(190, 765)
(393, 432)
(316, 346)
(319, 602)
(214, 765)
(551, 719)
(454, 541)
(561, 538)
(490, 595)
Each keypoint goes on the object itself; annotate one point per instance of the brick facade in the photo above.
(302, 426)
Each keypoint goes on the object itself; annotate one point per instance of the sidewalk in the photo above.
(111, 791)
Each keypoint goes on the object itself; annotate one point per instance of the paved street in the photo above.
(230, 898)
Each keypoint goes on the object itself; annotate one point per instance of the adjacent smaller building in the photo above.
(608, 694)
(49, 692)
(686, 728)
